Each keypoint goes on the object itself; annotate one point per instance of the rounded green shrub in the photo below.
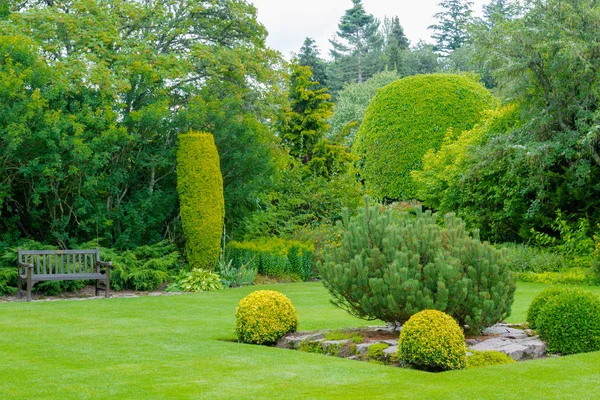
(264, 316)
(487, 358)
(570, 323)
(409, 117)
(540, 301)
(433, 341)
(389, 265)
(200, 187)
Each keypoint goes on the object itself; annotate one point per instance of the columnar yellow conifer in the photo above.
(200, 187)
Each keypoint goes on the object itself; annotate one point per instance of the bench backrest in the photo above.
(51, 262)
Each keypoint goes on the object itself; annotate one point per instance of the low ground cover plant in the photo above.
(264, 316)
(477, 359)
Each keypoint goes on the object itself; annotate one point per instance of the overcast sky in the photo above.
(289, 22)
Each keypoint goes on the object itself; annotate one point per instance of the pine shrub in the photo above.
(200, 187)
(390, 265)
(264, 316)
(409, 117)
(433, 341)
(570, 322)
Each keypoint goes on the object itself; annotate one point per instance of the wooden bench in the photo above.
(61, 265)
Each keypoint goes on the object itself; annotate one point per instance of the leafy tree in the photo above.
(352, 103)
(450, 32)
(498, 11)
(421, 59)
(396, 44)
(356, 49)
(123, 78)
(516, 182)
(309, 57)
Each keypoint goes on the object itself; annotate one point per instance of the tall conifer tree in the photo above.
(357, 47)
(450, 33)
(309, 56)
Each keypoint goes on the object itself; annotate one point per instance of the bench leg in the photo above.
(107, 288)
(29, 283)
(97, 286)
(19, 288)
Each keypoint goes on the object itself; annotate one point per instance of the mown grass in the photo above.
(180, 347)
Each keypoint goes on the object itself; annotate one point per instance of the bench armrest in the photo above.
(24, 265)
(104, 263)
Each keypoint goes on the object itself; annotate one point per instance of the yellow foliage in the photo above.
(264, 316)
(200, 187)
(432, 340)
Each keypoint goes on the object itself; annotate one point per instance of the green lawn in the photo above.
(179, 347)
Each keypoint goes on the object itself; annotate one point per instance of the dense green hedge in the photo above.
(408, 117)
(273, 256)
(200, 187)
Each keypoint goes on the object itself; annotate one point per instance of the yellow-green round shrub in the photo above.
(264, 316)
(431, 340)
(202, 205)
(479, 359)
(406, 119)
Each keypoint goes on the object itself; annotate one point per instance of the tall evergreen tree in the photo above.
(357, 47)
(498, 11)
(309, 56)
(396, 44)
(305, 121)
(450, 33)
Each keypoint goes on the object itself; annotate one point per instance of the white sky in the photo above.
(289, 22)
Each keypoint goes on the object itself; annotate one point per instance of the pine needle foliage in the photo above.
(390, 265)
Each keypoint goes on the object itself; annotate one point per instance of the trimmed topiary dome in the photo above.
(433, 341)
(264, 316)
(540, 301)
(570, 322)
(408, 117)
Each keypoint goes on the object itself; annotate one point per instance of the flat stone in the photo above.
(505, 331)
(293, 341)
(390, 351)
(507, 346)
(472, 342)
(536, 348)
(391, 342)
(362, 347)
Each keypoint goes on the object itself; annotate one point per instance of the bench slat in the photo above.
(53, 252)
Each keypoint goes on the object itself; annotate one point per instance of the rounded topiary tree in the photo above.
(264, 316)
(540, 301)
(200, 187)
(408, 117)
(432, 340)
(570, 322)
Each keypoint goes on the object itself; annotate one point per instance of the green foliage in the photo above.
(309, 57)
(89, 130)
(233, 275)
(450, 32)
(143, 268)
(273, 256)
(200, 280)
(310, 346)
(375, 351)
(540, 301)
(487, 358)
(406, 119)
(571, 276)
(389, 266)
(433, 341)
(200, 187)
(305, 121)
(264, 316)
(352, 102)
(356, 49)
(438, 183)
(570, 322)
(522, 258)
